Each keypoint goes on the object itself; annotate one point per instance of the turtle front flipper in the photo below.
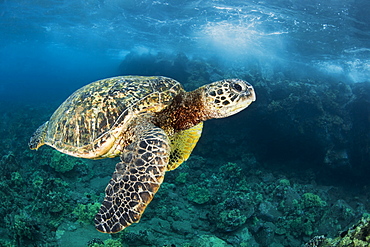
(135, 181)
(182, 144)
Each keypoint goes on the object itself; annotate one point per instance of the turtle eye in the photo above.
(237, 87)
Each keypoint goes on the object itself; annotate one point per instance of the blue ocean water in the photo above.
(309, 62)
(50, 47)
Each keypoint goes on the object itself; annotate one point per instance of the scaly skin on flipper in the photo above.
(136, 179)
(182, 144)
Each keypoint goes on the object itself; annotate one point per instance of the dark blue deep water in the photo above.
(293, 166)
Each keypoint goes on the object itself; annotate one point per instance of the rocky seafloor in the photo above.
(291, 170)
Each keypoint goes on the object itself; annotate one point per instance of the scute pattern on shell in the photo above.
(86, 120)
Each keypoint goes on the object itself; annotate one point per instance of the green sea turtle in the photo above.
(152, 123)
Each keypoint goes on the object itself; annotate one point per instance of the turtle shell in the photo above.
(93, 120)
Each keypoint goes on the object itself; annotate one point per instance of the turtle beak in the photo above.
(250, 93)
(246, 98)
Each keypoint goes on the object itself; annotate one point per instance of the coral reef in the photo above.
(197, 194)
(106, 243)
(86, 212)
(61, 162)
(248, 207)
(356, 236)
(292, 167)
(49, 198)
(312, 200)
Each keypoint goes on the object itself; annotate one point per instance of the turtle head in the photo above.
(227, 97)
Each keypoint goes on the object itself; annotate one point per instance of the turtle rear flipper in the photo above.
(135, 181)
(38, 138)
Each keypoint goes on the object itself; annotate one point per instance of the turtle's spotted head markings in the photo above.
(227, 97)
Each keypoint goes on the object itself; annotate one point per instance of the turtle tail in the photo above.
(37, 139)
